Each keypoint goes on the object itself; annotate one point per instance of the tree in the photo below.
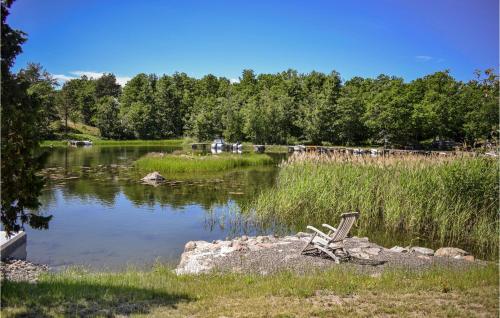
(106, 85)
(167, 106)
(318, 111)
(68, 102)
(137, 107)
(348, 126)
(388, 114)
(480, 100)
(41, 90)
(107, 118)
(19, 139)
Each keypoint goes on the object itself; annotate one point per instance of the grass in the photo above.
(119, 143)
(175, 163)
(449, 201)
(160, 293)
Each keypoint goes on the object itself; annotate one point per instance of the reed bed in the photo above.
(185, 163)
(450, 201)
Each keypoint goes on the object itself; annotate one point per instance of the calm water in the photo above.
(103, 217)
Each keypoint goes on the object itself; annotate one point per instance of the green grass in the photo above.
(174, 163)
(451, 202)
(160, 293)
(103, 142)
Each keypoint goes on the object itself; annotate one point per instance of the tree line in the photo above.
(286, 107)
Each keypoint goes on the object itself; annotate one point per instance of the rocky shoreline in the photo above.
(21, 271)
(269, 254)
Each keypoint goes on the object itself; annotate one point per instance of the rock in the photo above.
(189, 246)
(372, 250)
(302, 234)
(450, 252)
(265, 245)
(262, 239)
(424, 256)
(244, 238)
(153, 176)
(422, 250)
(469, 258)
(361, 255)
(239, 247)
(398, 249)
(360, 239)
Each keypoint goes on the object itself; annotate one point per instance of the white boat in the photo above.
(218, 144)
(299, 148)
(237, 147)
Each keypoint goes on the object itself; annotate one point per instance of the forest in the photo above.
(283, 108)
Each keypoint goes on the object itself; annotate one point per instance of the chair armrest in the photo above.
(318, 232)
(331, 228)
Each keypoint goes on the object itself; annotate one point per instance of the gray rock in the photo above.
(153, 176)
(372, 250)
(450, 252)
(302, 234)
(398, 249)
(191, 245)
(422, 250)
(244, 238)
(262, 239)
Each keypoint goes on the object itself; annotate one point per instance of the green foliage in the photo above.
(449, 201)
(106, 85)
(106, 118)
(41, 90)
(20, 138)
(187, 163)
(287, 107)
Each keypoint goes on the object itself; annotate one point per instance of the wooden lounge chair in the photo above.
(332, 241)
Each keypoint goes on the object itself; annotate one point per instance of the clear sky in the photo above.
(408, 38)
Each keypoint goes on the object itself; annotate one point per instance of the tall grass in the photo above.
(175, 163)
(451, 201)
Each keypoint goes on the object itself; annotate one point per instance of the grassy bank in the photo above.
(174, 163)
(120, 143)
(160, 293)
(451, 201)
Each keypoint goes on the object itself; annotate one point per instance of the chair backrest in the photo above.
(345, 226)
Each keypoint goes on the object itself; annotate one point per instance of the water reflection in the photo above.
(105, 217)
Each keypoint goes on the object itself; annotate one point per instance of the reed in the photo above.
(185, 163)
(451, 201)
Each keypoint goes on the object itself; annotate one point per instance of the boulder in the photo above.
(469, 258)
(153, 176)
(191, 245)
(398, 249)
(244, 238)
(450, 252)
(422, 250)
(372, 250)
(240, 247)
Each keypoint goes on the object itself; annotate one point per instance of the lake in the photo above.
(104, 217)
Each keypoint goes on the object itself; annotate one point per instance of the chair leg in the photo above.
(329, 253)
(307, 245)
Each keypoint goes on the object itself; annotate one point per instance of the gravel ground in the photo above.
(19, 270)
(265, 255)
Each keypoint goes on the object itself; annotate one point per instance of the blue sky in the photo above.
(408, 38)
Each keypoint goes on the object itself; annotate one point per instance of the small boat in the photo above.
(299, 148)
(237, 146)
(76, 143)
(218, 144)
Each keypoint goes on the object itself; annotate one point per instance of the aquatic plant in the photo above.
(180, 163)
(447, 200)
